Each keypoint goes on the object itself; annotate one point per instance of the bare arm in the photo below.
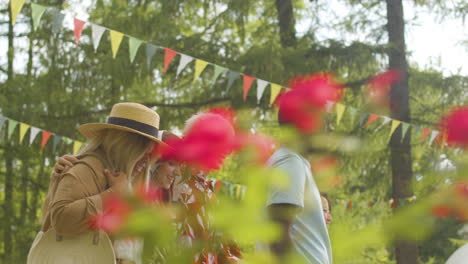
(283, 215)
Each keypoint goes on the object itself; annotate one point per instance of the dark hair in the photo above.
(325, 195)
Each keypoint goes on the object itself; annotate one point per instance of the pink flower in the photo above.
(113, 217)
(455, 126)
(304, 105)
(441, 211)
(207, 142)
(379, 86)
(149, 193)
(262, 145)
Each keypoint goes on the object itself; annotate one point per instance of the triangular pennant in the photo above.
(340, 108)
(33, 134)
(2, 122)
(275, 90)
(96, 34)
(45, 137)
(16, 6)
(200, 65)
(261, 84)
(386, 121)
(353, 113)
(79, 25)
(168, 57)
(218, 185)
(217, 71)
(372, 118)
(150, 52)
(116, 38)
(184, 60)
(11, 127)
(23, 129)
(362, 119)
(57, 21)
(55, 142)
(36, 13)
(395, 124)
(434, 134)
(232, 76)
(404, 130)
(248, 80)
(426, 132)
(133, 46)
(76, 146)
(329, 106)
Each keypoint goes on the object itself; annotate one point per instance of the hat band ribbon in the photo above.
(141, 127)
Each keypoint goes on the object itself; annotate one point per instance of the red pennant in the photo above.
(426, 132)
(168, 56)
(371, 120)
(79, 24)
(350, 205)
(45, 137)
(248, 80)
(218, 185)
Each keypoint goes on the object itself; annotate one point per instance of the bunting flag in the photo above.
(77, 146)
(2, 121)
(57, 21)
(33, 133)
(386, 121)
(55, 142)
(261, 85)
(96, 35)
(184, 61)
(426, 132)
(434, 134)
(218, 185)
(395, 124)
(36, 14)
(23, 128)
(79, 25)
(133, 46)
(116, 38)
(218, 70)
(248, 80)
(16, 6)
(45, 137)
(372, 118)
(67, 140)
(275, 90)
(404, 130)
(200, 65)
(232, 77)
(340, 108)
(11, 127)
(150, 52)
(168, 56)
(329, 106)
(353, 113)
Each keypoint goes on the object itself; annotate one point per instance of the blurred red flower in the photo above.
(209, 138)
(149, 193)
(441, 211)
(115, 212)
(262, 145)
(379, 86)
(304, 105)
(455, 126)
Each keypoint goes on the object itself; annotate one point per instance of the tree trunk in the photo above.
(401, 161)
(286, 23)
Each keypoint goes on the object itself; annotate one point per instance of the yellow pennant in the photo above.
(76, 146)
(275, 90)
(23, 129)
(200, 65)
(340, 108)
(395, 124)
(16, 6)
(116, 38)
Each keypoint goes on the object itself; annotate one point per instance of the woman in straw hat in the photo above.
(122, 146)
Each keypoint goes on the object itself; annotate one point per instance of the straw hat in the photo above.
(131, 117)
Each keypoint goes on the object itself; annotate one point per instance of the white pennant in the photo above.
(184, 60)
(97, 32)
(386, 121)
(329, 105)
(433, 136)
(34, 131)
(261, 84)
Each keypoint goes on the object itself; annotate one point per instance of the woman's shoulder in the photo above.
(87, 164)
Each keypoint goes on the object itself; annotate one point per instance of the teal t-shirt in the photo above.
(309, 231)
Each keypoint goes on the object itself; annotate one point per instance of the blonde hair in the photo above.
(122, 149)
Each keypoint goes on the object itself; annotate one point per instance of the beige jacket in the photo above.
(75, 196)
